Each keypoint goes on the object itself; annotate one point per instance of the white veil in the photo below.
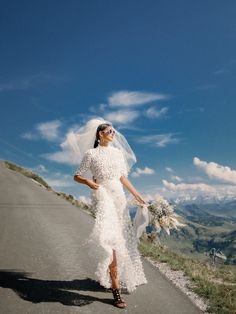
(83, 139)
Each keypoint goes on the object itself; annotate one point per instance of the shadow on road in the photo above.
(37, 290)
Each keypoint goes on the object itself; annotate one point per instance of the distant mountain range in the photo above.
(209, 225)
(222, 207)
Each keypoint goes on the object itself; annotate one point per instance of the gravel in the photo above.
(181, 281)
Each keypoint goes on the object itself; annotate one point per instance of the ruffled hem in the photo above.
(113, 229)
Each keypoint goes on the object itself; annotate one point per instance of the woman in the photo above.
(113, 237)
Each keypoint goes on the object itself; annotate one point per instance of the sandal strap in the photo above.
(116, 295)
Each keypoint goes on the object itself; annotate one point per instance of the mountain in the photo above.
(213, 205)
(207, 226)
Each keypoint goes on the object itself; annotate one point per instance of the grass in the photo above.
(27, 173)
(34, 176)
(216, 284)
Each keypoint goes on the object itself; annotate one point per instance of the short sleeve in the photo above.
(84, 165)
(123, 165)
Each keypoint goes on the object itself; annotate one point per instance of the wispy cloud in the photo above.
(46, 130)
(194, 190)
(169, 169)
(222, 71)
(145, 171)
(65, 156)
(154, 113)
(56, 183)
(159, 140)
(30, 136)
(84, 199)
(119, 105)
(127, 98)
(176, 178)
(40, 168)
(28, 82)
(49, 130)
(99, 108)
(188, 186)
(216, 171)
(205, 87)
(122, 116)
(200, 109)
(55, 179)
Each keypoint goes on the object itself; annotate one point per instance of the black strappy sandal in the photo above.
(118, 302)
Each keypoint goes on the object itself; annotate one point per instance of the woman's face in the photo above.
(107, 134)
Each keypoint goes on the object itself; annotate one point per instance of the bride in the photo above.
(105, 152)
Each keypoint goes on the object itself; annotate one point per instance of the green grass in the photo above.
(216, 284)
(32, 175)
(27, 173)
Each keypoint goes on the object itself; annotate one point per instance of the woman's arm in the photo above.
(125, 181)
(90, 183)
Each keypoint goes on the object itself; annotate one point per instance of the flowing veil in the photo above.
(81, 140)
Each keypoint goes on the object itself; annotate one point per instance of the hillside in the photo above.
(205, 230)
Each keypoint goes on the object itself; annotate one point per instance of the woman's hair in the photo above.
(101, 127)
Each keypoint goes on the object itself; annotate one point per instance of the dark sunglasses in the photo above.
(109, 131)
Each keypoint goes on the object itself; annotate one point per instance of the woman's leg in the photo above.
(115, 283)
(113, 271)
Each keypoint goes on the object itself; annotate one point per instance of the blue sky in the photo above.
(163, 72)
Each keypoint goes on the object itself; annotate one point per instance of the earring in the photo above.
(98, 140)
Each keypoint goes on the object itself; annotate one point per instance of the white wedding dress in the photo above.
(113, 228)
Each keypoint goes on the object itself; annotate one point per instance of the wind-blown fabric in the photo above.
(113, 227)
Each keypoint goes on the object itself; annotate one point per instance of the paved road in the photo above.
(45, 269)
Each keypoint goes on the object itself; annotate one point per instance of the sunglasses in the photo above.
(111, 131)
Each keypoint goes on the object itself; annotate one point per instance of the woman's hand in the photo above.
(139, 198)
(92, 185)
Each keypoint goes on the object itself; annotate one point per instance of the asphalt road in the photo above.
(45, 269)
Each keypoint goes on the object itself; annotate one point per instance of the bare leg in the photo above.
(113, 271)
(115, 283)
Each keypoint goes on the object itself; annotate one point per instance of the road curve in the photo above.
(45, 269)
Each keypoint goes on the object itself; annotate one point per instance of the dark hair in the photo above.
(101, 127)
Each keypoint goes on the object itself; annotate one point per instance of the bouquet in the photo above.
(157, 213)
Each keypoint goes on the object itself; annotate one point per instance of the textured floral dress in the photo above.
(113, 228)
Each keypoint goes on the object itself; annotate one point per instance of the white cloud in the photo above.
(85, 199)
(222, 71)
(29, 136)
(67, 154)
(205, 87)
(98, 108)
(28, 82)
(59, 180)
(188, 186)
(49, 130)
(122, 116)
(46, 130)
(59, 183)
(216, 171)
(201, 109)
(40, 169)
(146, 171)
(127, 98)
(64, 156)
(193, 190)
(169, 169)
(176, 178)
(159, 140)
(153, 113)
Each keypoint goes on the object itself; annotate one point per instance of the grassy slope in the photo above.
(217, 284)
